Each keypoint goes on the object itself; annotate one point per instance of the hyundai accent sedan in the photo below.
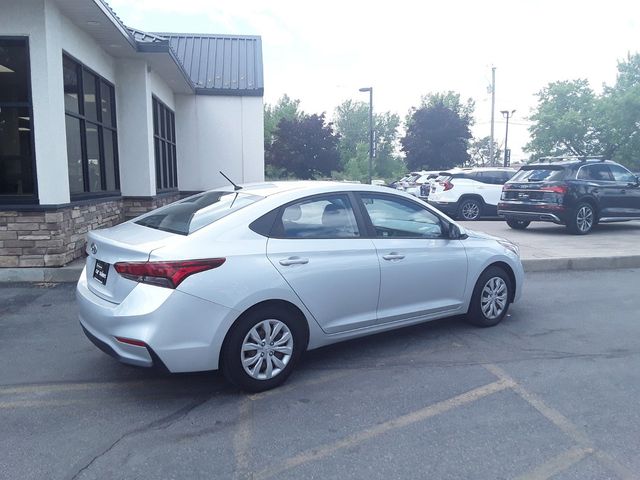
(246, 279)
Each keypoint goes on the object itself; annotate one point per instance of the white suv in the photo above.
(470, 193)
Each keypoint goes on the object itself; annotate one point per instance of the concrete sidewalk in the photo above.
(546, 246)
(543, 247)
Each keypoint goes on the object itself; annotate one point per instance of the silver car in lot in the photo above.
(246, 280)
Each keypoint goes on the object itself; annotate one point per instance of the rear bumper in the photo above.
(533, 213)
(182, 333)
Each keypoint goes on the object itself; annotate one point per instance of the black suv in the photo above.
(572, 192)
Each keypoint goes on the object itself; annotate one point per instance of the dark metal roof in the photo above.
(220, 64)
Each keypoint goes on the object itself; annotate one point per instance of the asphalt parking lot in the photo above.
(552, 392)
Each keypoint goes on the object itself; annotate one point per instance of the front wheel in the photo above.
(262, 348)
(491, 297)
(469, 209)
(582, 219)
(517, 224)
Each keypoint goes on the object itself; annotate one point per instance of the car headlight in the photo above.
(510, 246)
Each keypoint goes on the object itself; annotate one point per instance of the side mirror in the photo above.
(455, 233)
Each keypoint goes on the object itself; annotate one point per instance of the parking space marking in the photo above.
(305, 383)
(557, 464)
(393, 424)
(242, 440)
(44, 388)
(564, 424)
(38, 403)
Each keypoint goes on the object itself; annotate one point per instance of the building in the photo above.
(100, 122)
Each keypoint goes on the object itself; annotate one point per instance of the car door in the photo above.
(628, 202)
(319, 247)
(601, 186)
(423, 272)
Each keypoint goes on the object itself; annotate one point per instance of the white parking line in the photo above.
(557, 464)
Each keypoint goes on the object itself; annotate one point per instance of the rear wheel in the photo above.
(491, 297)
(262, 348)
(469, 209)
(518, 224)
(582, 219)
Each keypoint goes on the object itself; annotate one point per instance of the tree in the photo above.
(352, 123)
(285, 107)
(480, 152)
(305, 147)
(438, 133)
(568, 121)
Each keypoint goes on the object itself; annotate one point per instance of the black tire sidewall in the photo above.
(475, 314)
(461, 207)
(573, 220)
(231, 364)
(518, 224)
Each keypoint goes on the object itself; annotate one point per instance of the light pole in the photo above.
(493, 108)
(506, 114)
(370, 90)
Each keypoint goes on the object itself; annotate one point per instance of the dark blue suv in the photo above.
(578, 193)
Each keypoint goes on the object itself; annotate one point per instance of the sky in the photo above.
(323, 52)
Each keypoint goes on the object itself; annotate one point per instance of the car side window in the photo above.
(329, 216)
(394, 218)
(597, 172)
(621, 174)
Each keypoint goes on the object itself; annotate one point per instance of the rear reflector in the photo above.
(165, 274)
(131, 341)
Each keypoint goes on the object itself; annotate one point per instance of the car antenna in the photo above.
(235, 187)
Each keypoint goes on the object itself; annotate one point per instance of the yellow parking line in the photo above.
(393, 424)
(242, 440)
(557, 464)
(38, 403)
(67, 387)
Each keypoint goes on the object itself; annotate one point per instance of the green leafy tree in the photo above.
(480, 152)
(285, 107)
(568, 121)
(438, 132)
(304, 147)
(352, 123)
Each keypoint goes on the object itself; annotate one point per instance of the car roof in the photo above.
(267, 189)
(569, 162)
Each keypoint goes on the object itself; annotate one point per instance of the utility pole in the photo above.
(506, 114)
(370, 90)
(493, 108)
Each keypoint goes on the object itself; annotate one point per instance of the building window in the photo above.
(17, 159)
(164, 139)
(92, 143)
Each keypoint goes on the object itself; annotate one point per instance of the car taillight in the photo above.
(165, 274)
(555, 189)
(447, 185)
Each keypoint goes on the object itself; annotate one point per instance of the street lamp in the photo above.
(370, 90)
(506, 114)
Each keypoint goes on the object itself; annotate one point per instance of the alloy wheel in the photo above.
(266, 349)
(584, 218)
(470, 210)
(493, 299)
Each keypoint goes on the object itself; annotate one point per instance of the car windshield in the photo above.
(539, 174)
(191, 214)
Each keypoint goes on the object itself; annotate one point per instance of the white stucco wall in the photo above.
(216, 133)
(161, 89)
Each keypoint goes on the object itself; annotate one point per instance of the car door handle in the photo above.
(286, 262)
(393, 256)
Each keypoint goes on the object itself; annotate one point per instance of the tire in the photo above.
(582, 219)
(469, 209)
(274, 363)
(518, 224)
(480, 311)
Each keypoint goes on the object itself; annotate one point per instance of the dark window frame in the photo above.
(29, 198)
(164, 146)
(100, 126)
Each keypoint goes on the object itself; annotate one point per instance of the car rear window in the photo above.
(539, 174)
(193, 213)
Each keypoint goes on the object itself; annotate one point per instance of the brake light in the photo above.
(165, 274)
(555, 189)
(447, 185)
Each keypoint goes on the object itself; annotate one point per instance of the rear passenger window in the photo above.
(320, 217)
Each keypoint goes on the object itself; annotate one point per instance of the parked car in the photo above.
(572, 192)
(247, 280)
(415, 187)
(470, 193)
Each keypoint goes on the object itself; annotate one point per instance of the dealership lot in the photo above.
(550, 392)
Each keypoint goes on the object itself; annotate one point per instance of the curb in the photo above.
(71, 272)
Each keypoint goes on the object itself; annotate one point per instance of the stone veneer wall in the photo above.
(52, 238)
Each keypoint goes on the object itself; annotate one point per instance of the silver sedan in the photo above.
(246, 280)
